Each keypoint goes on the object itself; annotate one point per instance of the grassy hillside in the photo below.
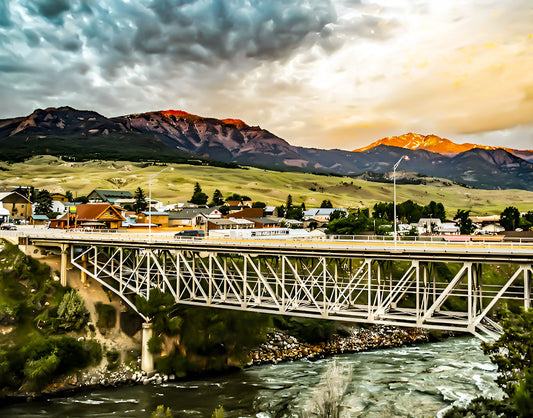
(273, 187)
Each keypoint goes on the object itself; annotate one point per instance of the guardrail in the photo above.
(166, 237)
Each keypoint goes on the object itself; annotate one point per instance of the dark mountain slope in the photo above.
(182, 137)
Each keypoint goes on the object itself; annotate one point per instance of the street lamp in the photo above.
(150, 201)
(406, 158)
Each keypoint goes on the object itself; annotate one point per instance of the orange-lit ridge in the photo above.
(430, 143)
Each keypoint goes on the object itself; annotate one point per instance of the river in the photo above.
(418, 381)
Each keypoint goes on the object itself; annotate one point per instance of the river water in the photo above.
(418, 381)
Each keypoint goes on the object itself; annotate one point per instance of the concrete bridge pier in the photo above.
(64, 264)
(147, 358)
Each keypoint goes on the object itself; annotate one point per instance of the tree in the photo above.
(352, 224)
(326, 204)
(462, 217)
(140, 204)
(44, 203)
(81, 199)
(435, 210)
(337, 214)
(218, 199)
(383, 210)
(198, 197)
(69, 196)
(513, 352)
(526, 222)
(236, 197)
(289, 202)
(410, 211)
(510, 218)
(259, 205)
(295, 212)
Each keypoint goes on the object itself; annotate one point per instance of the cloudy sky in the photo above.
(328, 74)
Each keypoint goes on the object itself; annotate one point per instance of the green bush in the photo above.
(107, 315)
(113, 359)
(155, 344)
(72, 315)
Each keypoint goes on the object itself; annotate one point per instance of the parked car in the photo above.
(8, 227)
(190, 233)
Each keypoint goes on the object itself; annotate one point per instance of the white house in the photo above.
(322, 213)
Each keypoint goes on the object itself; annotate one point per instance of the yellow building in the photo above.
(19, 207)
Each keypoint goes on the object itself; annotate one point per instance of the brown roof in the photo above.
(95, 211)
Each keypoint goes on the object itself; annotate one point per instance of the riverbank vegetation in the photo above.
(513, 355)
(193, 340)
(38, 320)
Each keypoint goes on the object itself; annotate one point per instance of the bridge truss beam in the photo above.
(366, 290)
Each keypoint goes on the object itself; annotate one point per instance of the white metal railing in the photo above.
(368, 242)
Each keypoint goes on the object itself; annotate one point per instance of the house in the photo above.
(91, 215)
(485, 220)
(158, 218)
(322, 214)
(59, 197)
(19, 206)
(193, 217)
(39, 219)
(246, 213)
(263, 222)
(110, 196)
(428, 225)
(229, 223)
(270, 211)
(492, 229)
(448, 228)
(4, 214)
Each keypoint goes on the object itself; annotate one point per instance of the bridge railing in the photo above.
(168, 236)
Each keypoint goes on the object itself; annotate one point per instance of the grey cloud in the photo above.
(5, 15)
(52, 9)
(32, 38)
(230, 28)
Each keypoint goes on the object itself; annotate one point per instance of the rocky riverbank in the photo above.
(282, 347)
(279, 347)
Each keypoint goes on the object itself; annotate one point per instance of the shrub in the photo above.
(72, 315)
(107, 315)
(113, 359)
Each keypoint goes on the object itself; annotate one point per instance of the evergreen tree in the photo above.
(218, 199)
(326, 204)
(510, 218)
(140, 204)
(464, 221)
(435, 210)
(289, 202)
(198, 197)
(69, 196)
(44, 203)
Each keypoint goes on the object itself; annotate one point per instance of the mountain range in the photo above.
(178, 136)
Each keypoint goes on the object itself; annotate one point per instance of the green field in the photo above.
(271, 187)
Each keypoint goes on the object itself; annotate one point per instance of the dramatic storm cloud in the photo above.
(330, 74)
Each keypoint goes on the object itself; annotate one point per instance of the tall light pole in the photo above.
(150, 201)
(403, 157)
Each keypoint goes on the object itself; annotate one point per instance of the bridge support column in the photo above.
(64, 264)
(147, 358)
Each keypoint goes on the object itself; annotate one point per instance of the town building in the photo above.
(110, 196)
(91, 216)
(19, 206)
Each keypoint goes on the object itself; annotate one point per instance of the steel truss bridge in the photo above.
(359, 281)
